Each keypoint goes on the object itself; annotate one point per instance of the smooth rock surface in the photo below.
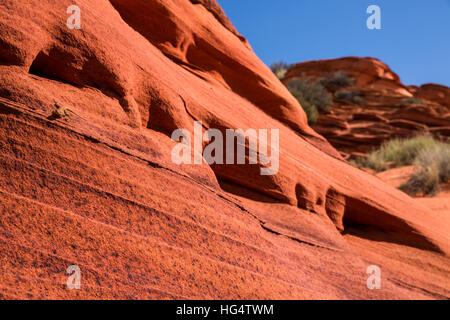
(101, 191)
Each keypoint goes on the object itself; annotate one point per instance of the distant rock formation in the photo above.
(389, 108)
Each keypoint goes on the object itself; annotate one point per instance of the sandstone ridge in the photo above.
(388, 109)
(100, 190)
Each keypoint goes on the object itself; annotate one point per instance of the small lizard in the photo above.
(62, 112)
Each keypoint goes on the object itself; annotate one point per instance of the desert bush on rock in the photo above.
(312, 96)
(350, 96)
(337, 80)
(397, 153)
(430, 157)
(311, 110)
(432, 168)
(280, 69)
(413, 100)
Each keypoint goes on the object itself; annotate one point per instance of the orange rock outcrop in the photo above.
(389, 108)
(100, 191)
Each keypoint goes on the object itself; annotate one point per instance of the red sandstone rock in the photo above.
(387, 111)
(369, 73)
(102, 192)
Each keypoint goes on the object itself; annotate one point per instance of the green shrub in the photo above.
(431, 160)
(280, 69)
(313, 92)
(398, 153)
(311, 111)
(339, 79)
(350, 96)
(413, 100)
(432, 168)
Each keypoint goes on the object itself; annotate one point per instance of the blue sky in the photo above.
(414, 40)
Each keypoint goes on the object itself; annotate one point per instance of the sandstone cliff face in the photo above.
(389, 108)
(100, 191)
